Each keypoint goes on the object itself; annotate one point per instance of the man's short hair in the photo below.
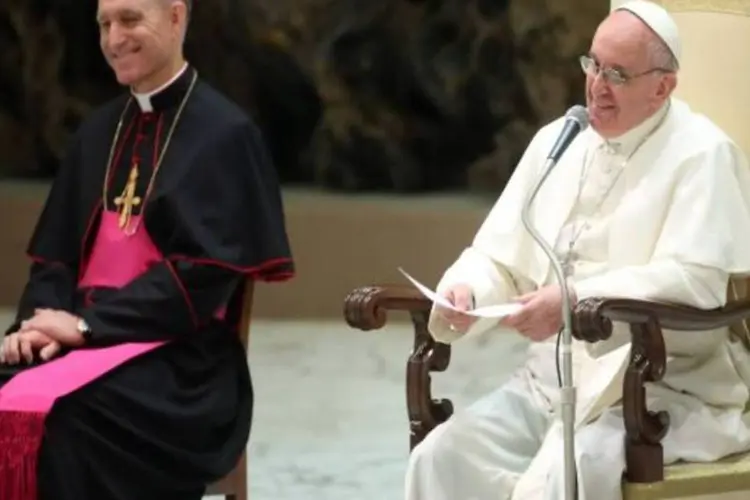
(188, 5)
(661, 55)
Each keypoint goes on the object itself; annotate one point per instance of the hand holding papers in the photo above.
(496, 311)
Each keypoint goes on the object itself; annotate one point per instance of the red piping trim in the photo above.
(159, 126)
(86, 233)
(259, 269)
(283, 276)
(211, 262)
(185, 294)
(118, 155)
(98, 206)
(41, 260)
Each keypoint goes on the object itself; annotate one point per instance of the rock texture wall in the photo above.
(388, 95)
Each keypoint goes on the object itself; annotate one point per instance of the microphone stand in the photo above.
(567, 390)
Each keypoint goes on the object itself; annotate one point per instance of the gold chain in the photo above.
(172, 128)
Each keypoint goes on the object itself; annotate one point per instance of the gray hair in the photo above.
(661, 55)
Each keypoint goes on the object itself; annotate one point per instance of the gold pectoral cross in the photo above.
(127, 200)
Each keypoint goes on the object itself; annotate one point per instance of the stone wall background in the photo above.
(388, 95)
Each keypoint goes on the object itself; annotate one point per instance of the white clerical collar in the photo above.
(144, 99)
(627, 142)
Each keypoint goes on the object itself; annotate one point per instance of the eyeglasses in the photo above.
(612, 75)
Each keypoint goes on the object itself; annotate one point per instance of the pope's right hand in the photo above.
(461, 297)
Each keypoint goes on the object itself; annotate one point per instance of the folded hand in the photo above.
(60, 326)
(541, 316)
(23, 345)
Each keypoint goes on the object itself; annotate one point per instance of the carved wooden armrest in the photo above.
(367, 308)
(592, 322)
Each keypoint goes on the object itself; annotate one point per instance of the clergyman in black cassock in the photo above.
(165, 204)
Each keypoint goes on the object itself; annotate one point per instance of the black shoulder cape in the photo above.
(215, 210)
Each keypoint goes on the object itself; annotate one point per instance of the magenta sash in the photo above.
(116, 259)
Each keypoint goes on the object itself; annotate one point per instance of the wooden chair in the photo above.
(646, 477)
(234, 485)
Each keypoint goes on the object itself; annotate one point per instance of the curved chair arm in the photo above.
(593, 322)
(366, 308)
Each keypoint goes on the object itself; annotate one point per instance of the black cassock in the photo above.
(170, 421)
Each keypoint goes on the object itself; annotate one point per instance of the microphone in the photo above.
(576, 121)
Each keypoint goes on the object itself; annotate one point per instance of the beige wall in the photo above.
(339, 242)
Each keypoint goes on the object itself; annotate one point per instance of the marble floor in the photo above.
(330, 420)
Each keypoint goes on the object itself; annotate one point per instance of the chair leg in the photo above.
(241, 485)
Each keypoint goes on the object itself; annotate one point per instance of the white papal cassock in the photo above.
(661, 213)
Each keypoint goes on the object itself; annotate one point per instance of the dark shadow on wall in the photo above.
(352, 95)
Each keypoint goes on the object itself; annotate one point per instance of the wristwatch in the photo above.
(84, 329)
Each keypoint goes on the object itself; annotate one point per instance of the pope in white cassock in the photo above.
(651, 202)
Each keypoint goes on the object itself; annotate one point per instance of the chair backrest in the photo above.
(715, 82)
(247, 311)
(714, 79)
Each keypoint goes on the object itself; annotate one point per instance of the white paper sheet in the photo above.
(496, 311)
